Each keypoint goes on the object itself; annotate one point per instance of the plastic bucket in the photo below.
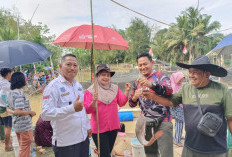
(125, 116)
(15, 143)
(92, 148)
(137, 148)
(127, 153)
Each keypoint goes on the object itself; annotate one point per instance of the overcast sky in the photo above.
(60, 15)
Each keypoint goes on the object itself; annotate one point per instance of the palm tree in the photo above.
(191, 29)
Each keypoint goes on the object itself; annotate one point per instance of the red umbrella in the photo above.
(81, 36)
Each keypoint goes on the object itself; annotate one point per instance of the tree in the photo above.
(138, 37)
(191, 29)
(37, 33)
(7, 26)
(159, 46)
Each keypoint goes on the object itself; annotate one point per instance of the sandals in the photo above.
(8, 149)
(178, 144)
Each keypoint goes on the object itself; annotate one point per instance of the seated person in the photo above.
(43, 133)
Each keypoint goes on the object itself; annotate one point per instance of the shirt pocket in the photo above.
(65, 101)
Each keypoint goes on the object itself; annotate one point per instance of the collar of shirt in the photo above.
(152, 73)
(62, 79)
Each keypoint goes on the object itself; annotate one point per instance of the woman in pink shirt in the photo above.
(107, 97)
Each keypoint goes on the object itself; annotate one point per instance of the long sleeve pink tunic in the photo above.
(108, 113)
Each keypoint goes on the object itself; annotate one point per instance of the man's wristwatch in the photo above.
(153, 86)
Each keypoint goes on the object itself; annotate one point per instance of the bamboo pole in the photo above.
(52, 68)
(98, 134)
(95, 84)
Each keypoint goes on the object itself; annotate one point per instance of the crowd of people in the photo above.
(204, 106)
(38, 80)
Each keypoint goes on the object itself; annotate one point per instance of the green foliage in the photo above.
(191, 29)
(228, 61)
(138, 37)
(83, 56)
(11, 26)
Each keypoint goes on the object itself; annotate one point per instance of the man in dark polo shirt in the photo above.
(214, 98)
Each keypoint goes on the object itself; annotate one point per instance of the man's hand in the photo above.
(32, 113)
(148, 95)
(78, 105)
(95, 98)
(137, 94)
(89, 133)
(144, 82)
(127, 87)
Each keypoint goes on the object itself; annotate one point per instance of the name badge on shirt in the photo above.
(65, 94)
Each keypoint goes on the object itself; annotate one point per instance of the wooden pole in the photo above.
(95, 84)
(98, 134)
(52, 68)
(92, 55)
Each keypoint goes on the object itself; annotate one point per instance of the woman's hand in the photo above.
(127, 88)
(94, 101)
(89, 133)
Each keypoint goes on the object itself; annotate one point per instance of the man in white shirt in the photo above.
(63, 106)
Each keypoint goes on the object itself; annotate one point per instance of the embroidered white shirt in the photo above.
(69, 127)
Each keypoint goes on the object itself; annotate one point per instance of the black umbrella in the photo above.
(20, 52)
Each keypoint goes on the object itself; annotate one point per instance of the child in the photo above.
(177, 112)
(22, 115)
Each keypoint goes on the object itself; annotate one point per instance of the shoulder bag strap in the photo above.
(198, 101)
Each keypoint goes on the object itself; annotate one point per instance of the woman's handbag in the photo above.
(209, 123)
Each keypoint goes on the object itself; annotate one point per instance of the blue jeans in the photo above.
(76, 150)
(178, 131)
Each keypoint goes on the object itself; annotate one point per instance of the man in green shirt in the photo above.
(213, 97)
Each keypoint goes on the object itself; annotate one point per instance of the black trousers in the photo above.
(107, 140)
(76, 150)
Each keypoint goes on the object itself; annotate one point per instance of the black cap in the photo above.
(105, 67)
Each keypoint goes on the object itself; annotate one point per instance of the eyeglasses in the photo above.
(194, 73)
